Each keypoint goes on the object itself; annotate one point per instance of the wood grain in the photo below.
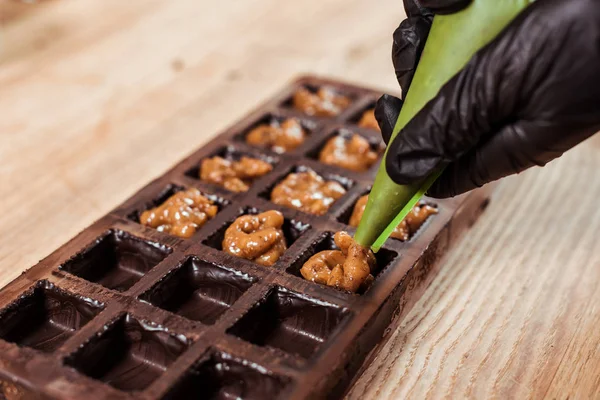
(98, 98)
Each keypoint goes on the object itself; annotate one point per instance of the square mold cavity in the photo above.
(129, 354)
(375, 143)
(198, 290)
(169, 191)
(342, 180)
(290, 322)
(356, 117)
(116, 260)
(292, 229)
(384, 256)
(289, 102)
(221, 376)
(46, 317)
(274, 119)
(345, 216)
(230, 153)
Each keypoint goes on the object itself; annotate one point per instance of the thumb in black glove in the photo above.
(523, 100)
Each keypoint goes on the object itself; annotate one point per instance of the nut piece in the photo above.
(308, 192)
(348, 268)
(405, 229)
(279, 137)
(236, 176)
(353, 153)
(368, 120)
(324, 103)
(256, 237)
(181, 215)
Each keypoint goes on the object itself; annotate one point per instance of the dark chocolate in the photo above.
(290, 322)
(117, 260)
(129, 355)
(126, 311)
(198, 290)
(221, 377)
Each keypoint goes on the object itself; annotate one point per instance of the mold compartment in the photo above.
(198, 290)
(230, 153)
(221, 376)
(345, 216)
(169, 191)
(375, 144)
(289, 102)
(308, 125)
(384, 257)
(289, 321)
(346, 183)
(46, 317)
(128, 354)
(355, 118)
(116, 260)
(292, 229)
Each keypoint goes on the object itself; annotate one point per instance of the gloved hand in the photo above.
(523, 100)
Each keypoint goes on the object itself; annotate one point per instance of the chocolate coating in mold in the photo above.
(129, 355)
(177, 308)
(117, 260)
(198, 290)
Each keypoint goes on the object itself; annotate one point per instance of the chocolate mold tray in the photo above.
(124, 311)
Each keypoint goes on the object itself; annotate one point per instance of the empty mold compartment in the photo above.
(183, 218)
(46, 317)
(221, 376)
(129, 354)
(277, 133)
(116, 260)
(292, 229)
(289, 321)
(384, 257)
(324, 101)
(232, 169)
(308, 194)
(348, 149)
(198, 290)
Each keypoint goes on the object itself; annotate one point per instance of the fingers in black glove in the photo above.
(523, 100)
(387, 111)
(410, 36)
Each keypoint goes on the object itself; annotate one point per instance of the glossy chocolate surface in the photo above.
(126, 311)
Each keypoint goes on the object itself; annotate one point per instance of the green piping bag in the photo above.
(451, 43)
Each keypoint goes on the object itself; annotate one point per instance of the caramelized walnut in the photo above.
(236, 176)
(256, 237)
(308, 192)
(368, 120)
(324, 103)
(407, 228)
(348, 268)
(279, 137)
(181, 214)
(353, 153)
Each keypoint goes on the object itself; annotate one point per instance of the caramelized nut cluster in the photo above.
(278, 137)
(236, 176)
(353, 153)
(181, 215)
(409, 225)
(368, 120)
(308, 192)
(348, 268)
(258, 238)
(324, 103)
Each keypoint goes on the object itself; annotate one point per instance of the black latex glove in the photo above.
(523, 100)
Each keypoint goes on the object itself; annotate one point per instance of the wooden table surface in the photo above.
(99, 97)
